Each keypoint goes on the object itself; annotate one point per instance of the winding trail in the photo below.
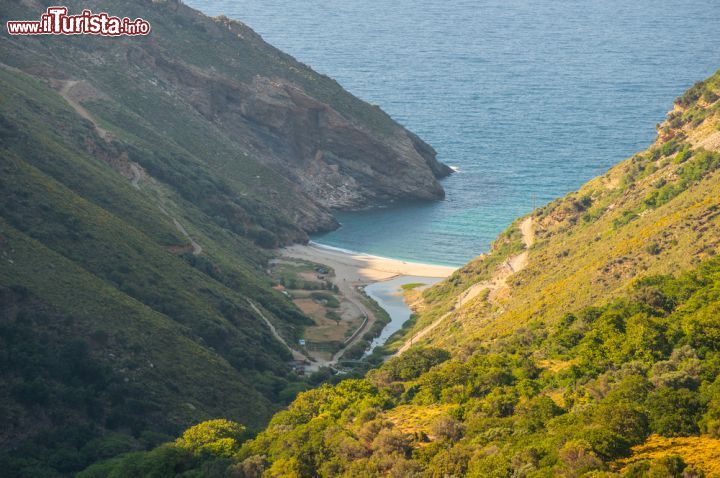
(196, 248)
(498, 281)
(354, 271)
(296, 355)
(135, 182)
(137, 176)
(64, 91)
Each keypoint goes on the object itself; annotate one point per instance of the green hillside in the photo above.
(594, 351)
(136, 224)
(96, 272)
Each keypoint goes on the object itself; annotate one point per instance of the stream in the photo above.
(389, 295)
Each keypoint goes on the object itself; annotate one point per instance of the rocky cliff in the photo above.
(337, 151)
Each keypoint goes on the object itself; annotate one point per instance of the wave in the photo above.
(338, 249)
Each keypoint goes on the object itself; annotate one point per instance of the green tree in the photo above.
(673, 412)
(221, 438)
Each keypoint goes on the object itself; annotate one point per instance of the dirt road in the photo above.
(65, 92)
(296, 354)
(353, 271)
(498, 281)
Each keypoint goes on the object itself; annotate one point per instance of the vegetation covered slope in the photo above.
(253, 126)
(135, 226)
(108, 321)
(600, 358)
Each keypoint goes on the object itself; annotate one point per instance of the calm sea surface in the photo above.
(526, 98)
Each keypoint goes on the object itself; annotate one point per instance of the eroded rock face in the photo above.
(337, 151)
(339, 162)
(336, 162)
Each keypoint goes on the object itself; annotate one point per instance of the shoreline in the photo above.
(354, 271)
(363, 268)
(349, 252)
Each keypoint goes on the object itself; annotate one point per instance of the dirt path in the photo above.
(135, 181)
(354, 271)
(296, 355)
(196, 248)
(65, 90)
(347, 284)
(498, 281)
(368, 319)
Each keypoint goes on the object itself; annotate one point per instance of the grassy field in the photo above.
(311, 289)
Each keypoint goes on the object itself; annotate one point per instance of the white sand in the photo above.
(363, 268)
(353, 270)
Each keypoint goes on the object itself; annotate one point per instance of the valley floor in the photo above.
(352, 272)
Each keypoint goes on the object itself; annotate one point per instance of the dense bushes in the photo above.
(618, 374)
(49, 371)
(414, 362)
(695, 167)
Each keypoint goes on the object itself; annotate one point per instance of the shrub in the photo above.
(607, 444)
(450, 462)
(221, 438)
(329, 300)
(671, 466)
(625, 218)
(673, 412)
(414, 362)
(710, 422)
(578, 458)
(583, 203)
(683, 156)
(448, 428)
(625, 418)
(389, 442)
(536, 412)
(500, 402)
(653, 248)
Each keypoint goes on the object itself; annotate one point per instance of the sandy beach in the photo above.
(355, 270)
(363, 268)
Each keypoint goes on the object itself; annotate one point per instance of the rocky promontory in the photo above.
(316, 147)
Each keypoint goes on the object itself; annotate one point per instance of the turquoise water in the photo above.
(524, 97)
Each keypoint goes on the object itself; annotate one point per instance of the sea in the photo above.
(526, 99)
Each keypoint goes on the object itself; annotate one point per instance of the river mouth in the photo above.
(389, 296)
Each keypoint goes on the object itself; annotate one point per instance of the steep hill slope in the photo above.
(213, 87)
(592, 350)
(655, 213)
(92, 266)
(144, 182)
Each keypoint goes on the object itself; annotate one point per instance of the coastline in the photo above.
(354, 271)
(363, 268)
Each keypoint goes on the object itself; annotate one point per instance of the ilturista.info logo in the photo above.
(56, 21)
